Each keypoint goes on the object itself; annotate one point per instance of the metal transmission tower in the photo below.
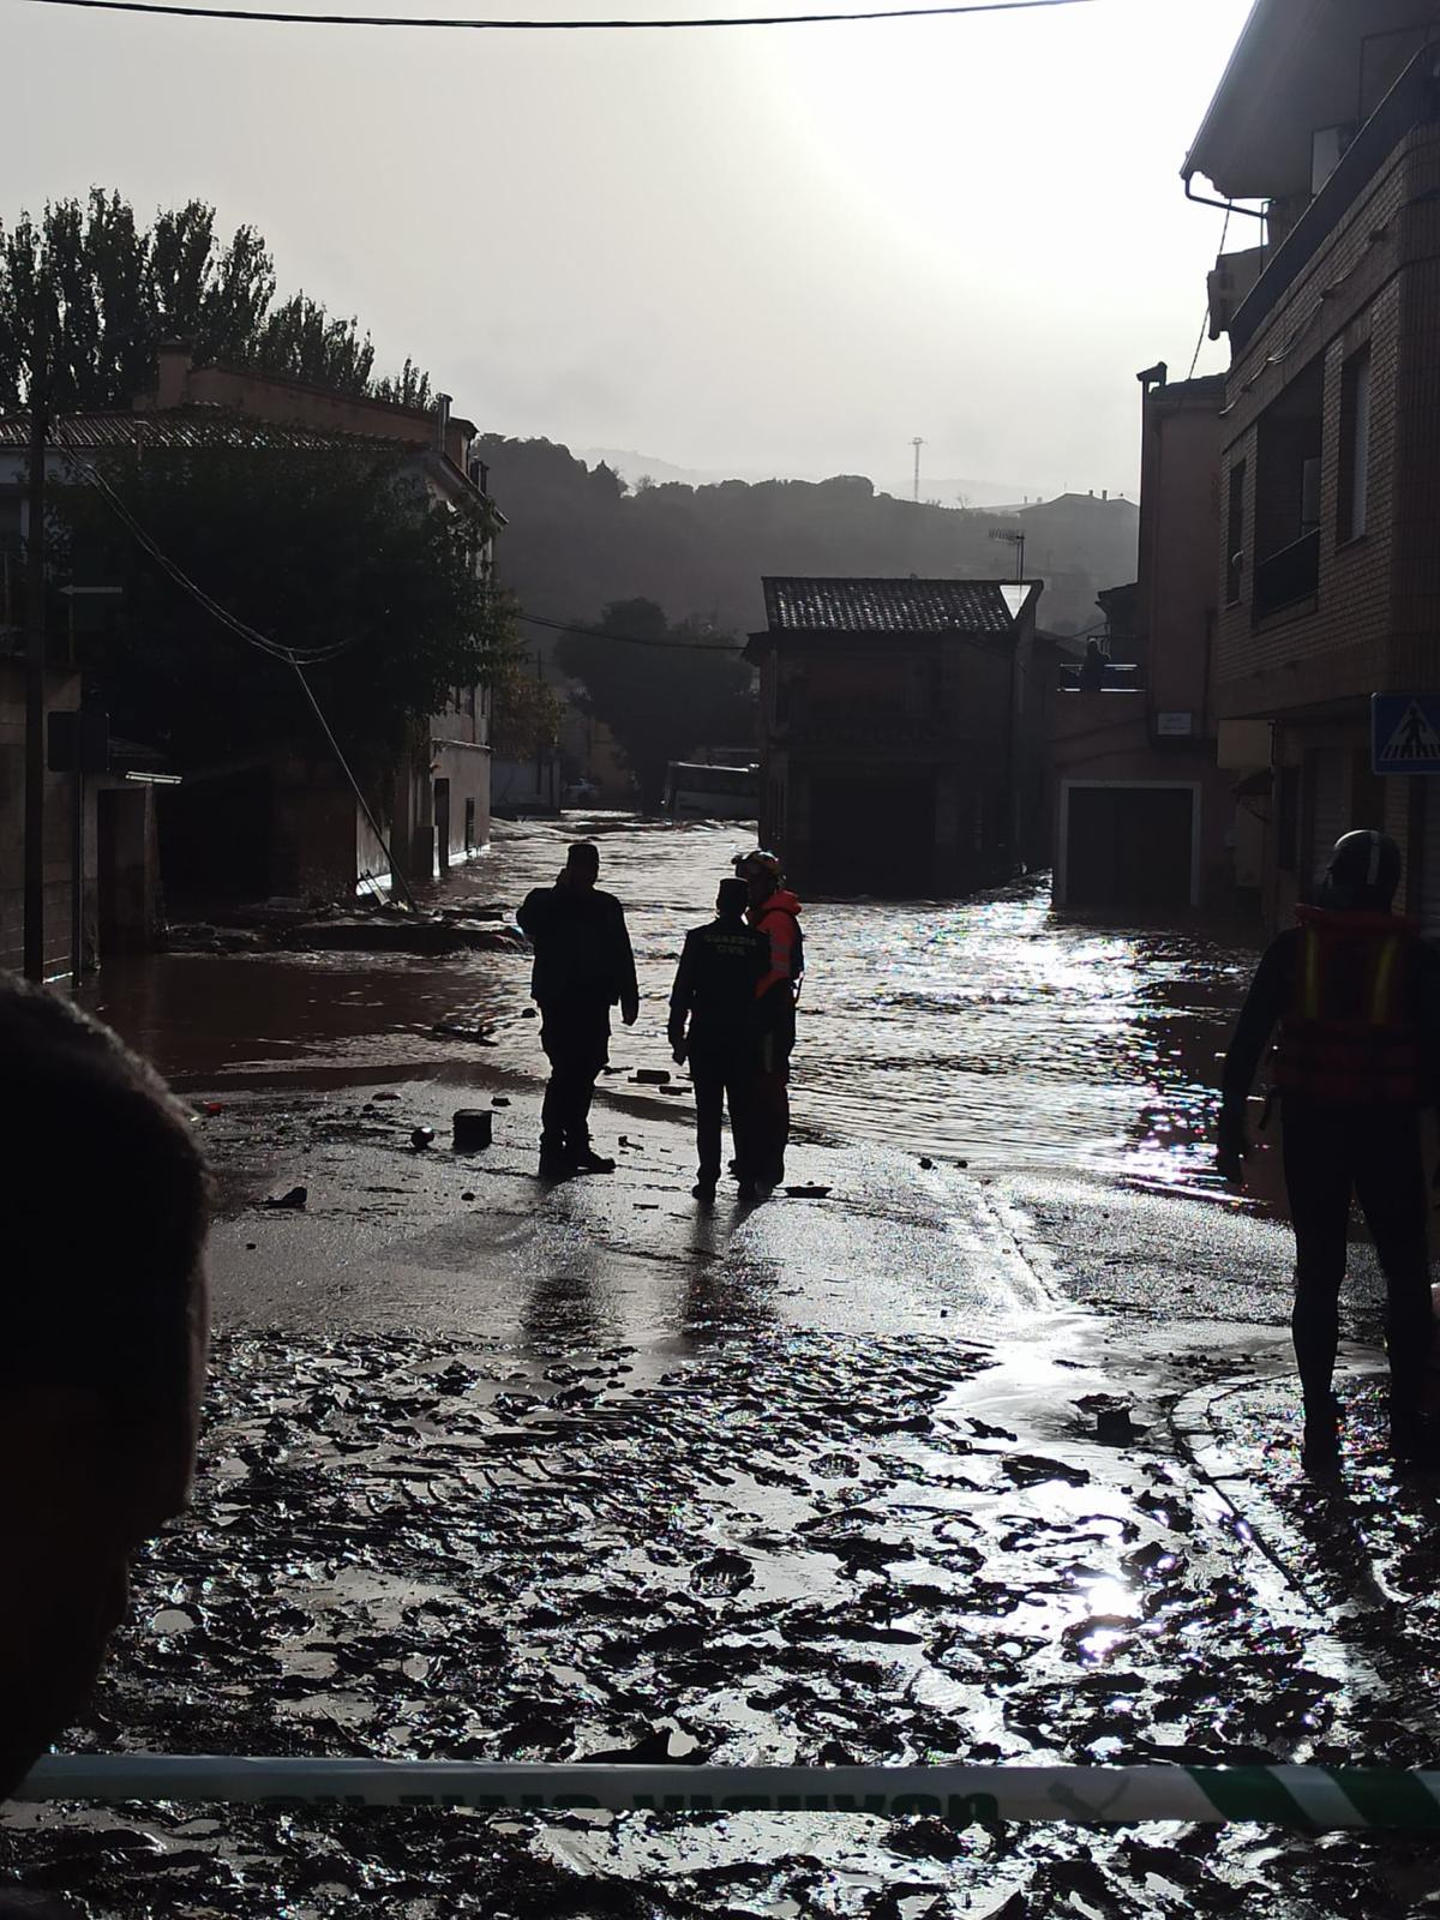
(917, 443)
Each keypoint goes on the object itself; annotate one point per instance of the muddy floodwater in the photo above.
(699, 1500)
(984, 1028)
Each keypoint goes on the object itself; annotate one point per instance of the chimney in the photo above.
(173, 362)
(442, 420)
(1104, 493)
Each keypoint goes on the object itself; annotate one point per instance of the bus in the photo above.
(694, 791)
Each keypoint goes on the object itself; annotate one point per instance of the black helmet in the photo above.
(1363, 871)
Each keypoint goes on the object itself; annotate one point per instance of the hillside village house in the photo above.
(1328, 563)
(902, 732)
(289, 822)
(1147, 817)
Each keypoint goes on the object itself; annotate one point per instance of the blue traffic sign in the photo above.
(1405, 732)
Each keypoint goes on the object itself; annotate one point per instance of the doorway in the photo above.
(1128, 847)
(442, 827)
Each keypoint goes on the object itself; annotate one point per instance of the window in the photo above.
(1235, 535)
(1354, 445)
(1285, 528)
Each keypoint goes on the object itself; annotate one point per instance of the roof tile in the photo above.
(886, 606)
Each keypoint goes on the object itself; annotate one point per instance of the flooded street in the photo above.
(985, 1028)
(978, 1446)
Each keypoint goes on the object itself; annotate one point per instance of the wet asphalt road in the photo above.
(492, 1471)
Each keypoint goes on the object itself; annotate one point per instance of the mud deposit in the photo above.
(792, 1548)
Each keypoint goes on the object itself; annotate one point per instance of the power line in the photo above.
(1205, 318)
(634, 639)
(275, 18)
(296, 658)
(290, 656)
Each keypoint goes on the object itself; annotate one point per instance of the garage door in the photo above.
(1129, 847)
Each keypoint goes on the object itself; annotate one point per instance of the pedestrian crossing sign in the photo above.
(1405, 732)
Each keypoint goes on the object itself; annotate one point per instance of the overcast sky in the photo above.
(777, 249)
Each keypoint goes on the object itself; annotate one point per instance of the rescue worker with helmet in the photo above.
(1355, 994)
(774, 911)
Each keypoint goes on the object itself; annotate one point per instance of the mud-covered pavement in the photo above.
(948, 1462)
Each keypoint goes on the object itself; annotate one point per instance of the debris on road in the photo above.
(293, 1199)
(473, 1129)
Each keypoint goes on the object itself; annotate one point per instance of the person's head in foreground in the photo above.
(732, 899)
(104, 1206)
(1362, 874)
(582, 864)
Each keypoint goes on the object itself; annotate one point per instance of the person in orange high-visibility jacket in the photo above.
(1355, 994)
(774, 911)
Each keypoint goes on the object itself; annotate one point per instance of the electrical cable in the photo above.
(295, 658)
(289, 656)
(397, 879)
(633, 639)
(1205, 317)
(275, 18)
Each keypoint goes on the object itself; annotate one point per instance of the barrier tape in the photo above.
(1316, 1798)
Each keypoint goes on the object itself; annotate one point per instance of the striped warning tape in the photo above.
(1317, 1798)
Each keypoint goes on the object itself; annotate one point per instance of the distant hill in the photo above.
(635, 467)
(577, 539)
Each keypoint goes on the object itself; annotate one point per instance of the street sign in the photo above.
(1405, 732)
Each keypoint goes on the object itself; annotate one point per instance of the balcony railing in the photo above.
(1291, 575)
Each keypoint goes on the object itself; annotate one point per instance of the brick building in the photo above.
(1147, 819)
(903, 730)
(1329, 569)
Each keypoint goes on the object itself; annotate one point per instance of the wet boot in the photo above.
(554, 1162)
(1320, 1449)
(584, 1159)
(1414, 1439)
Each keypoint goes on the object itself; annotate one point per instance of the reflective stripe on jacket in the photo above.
(777, 919)
(1350, 1032)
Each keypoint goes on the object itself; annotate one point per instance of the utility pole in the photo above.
(917, 443)
(34, 891)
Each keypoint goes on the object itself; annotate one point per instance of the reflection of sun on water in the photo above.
(1107, 1600)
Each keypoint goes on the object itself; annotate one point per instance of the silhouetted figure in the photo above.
(721, 967)
(103, 1325)
(774, 911)
(1356, 996)
(1093, 668)
(583, 967)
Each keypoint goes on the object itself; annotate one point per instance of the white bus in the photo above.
(697, 792)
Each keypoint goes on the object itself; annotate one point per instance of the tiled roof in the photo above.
(889, 606)
(179, 427)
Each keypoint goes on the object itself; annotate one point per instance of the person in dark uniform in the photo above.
(775, 912)
(583, 966)
(721, 966)
(1355, 994)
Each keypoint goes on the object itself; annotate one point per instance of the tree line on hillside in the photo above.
(579, 539)
(663, 688)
